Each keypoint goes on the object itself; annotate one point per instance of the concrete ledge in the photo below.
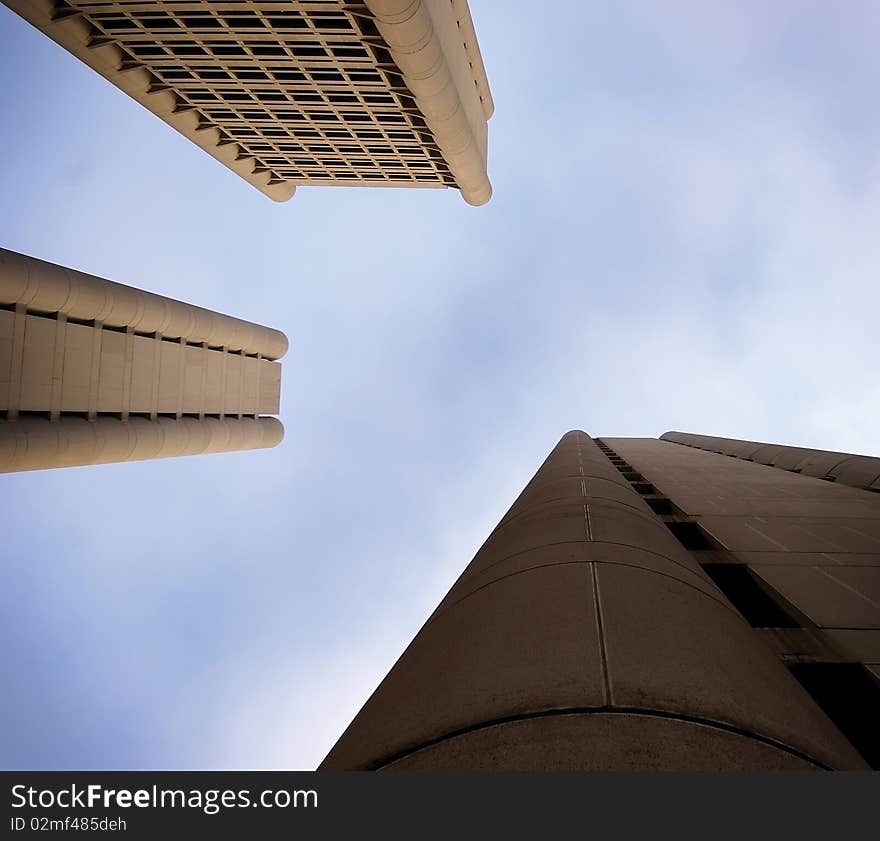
(46, 287)
(40, 444)
(856, 471)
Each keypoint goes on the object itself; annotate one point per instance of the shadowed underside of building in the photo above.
(389, 93)
(592, 630)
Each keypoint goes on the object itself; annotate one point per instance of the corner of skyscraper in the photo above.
(645, 605)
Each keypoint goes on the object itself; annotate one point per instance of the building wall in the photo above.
(36, 443)
(846, 468)
(583, 635)
(379, 93)
(64, 367)
(816, 543)
(74, 346)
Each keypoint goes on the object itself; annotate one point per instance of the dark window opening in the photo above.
(850, 697)
(206, 22)
(348, 52)
(691, 536)
(267, 50)
(223, 50)
(179, 49)
(364, 76)
(114, 24)
(327, 76)
(53, 316)
(331, 23)
(244, 22)
(744, 592)
(32, 413)
(289, 22)
(660, 505)
(158, 21)
(308, 52)
(155, 52)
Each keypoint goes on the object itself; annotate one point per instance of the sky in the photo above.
(683, 235)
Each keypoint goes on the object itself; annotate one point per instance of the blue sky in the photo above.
(683, 236)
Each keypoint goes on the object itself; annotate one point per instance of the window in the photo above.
(749, 597)
(850, 697)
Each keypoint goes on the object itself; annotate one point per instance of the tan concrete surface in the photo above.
(40, 444)
(815, 543)
(583, 635)
(75, 347)
(373, 93)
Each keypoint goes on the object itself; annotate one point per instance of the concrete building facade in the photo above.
(306, 92)
(647, 605)
(92, 371)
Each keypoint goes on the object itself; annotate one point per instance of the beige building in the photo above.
(376, 93)
(92, 371)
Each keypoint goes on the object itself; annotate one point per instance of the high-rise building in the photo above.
(645, 604)
(92, 371)
(348, 92)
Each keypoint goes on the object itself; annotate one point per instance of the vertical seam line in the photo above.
(600, 627)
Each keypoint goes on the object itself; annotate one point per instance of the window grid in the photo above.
(306, 89)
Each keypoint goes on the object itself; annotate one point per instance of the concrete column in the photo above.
(584, 636)
(425, 39)
(16, 361)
